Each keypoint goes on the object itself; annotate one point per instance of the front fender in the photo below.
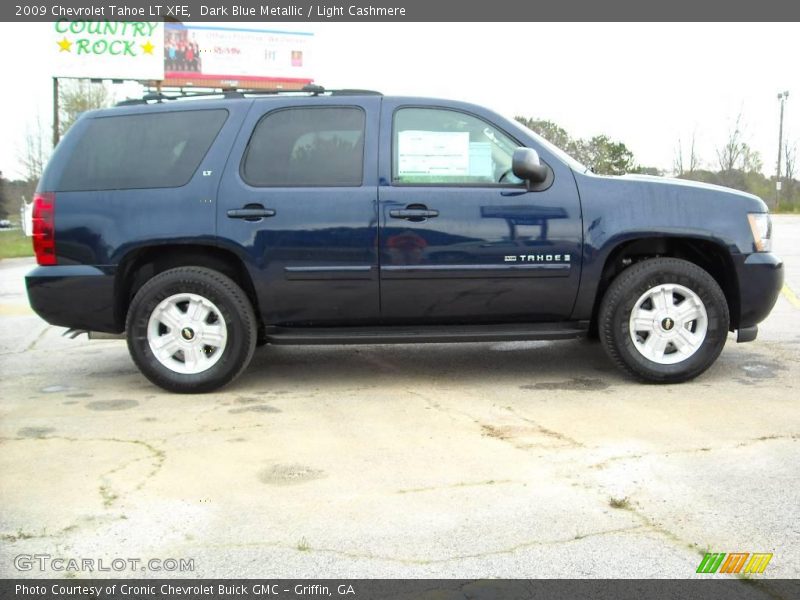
(618, 210)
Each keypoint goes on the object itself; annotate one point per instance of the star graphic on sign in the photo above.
(65, 45)
(148, 47)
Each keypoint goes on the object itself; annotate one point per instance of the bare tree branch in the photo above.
(35, 152)
(789, 160)
(729, 154)
(677, 162)
(680, 163)
(694, 161)
(77, 96)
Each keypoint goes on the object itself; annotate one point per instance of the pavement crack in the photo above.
(448, 411)
(753, 441)
(308, 547)
(768, 438)
(546, 432)
(627, 505)
(500, 551)
(528, 436)
(203, 430)
(37, 339)
(20, 534)
(107, 493)
(31, 345)
(463, 484)
(650, 524)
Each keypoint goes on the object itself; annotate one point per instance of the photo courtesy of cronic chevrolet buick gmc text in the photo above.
(202, 227)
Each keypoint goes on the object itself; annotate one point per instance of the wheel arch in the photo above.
(710, 255)
(141, 264)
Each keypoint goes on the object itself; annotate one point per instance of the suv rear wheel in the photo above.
(664, 320)
(191, 329)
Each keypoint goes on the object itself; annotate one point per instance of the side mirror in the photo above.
(525, 164)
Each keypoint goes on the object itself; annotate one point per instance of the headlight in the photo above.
(761, 225)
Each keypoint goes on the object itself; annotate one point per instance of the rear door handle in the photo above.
(251, 212)
(413, 213)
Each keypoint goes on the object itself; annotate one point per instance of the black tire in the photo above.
(625, 291)
(235, 308)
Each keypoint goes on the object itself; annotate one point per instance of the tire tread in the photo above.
(620, 287)
(195, 275)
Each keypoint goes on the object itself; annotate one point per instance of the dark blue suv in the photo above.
(201, 228)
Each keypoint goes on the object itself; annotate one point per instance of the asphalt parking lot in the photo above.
(479, 460)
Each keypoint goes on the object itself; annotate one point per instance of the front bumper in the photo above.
(74, 296)
(760, 278)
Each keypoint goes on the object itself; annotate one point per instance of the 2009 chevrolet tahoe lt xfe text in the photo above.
(202, 228)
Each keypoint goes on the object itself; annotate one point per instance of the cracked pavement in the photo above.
(515, 460)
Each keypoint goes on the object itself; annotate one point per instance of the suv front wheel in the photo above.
(191, 330)
(664, 320)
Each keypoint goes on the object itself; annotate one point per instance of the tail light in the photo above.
(44, 231)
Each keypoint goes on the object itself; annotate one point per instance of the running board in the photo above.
(427, 334)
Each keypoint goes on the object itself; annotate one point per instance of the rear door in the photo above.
(298, 201)
(461, 239)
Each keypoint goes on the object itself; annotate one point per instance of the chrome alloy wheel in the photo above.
(668, 324)
(187, 333)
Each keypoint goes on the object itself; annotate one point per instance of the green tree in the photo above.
(604, 155)
(642, 170)
(77, 96)
(751, 160)
(702, 175)
(553, 133)
(17, 190)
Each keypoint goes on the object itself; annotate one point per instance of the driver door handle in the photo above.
(413, 211)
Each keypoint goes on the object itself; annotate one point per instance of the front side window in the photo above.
(440, 146)
(148, 150)
(316, 146)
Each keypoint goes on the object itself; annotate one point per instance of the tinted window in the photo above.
(433, 145)
(141, 151)
(307, 147)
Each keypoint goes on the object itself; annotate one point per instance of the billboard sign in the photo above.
(229, 57)
(107, 49)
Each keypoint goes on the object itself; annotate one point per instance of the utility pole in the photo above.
(56, 125)
(782, 99)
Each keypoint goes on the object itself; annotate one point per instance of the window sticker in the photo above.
(480, 160)
(433, 153)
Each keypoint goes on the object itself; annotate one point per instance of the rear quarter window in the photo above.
(155, 150)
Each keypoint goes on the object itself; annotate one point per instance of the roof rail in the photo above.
(355, 92)
(310, 89)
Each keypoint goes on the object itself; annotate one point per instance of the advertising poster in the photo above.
(107, 49)
(231, 57)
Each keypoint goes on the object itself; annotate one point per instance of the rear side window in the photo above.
(156, 150)
(318, 146)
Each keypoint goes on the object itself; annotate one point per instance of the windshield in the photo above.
(573, 164)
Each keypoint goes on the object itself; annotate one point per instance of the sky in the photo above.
(647, 85)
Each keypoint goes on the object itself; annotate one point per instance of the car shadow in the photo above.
(502, 362)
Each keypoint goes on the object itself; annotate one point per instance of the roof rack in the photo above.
(310, 90)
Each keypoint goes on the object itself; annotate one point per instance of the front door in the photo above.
(462, 239)
(298, 200)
